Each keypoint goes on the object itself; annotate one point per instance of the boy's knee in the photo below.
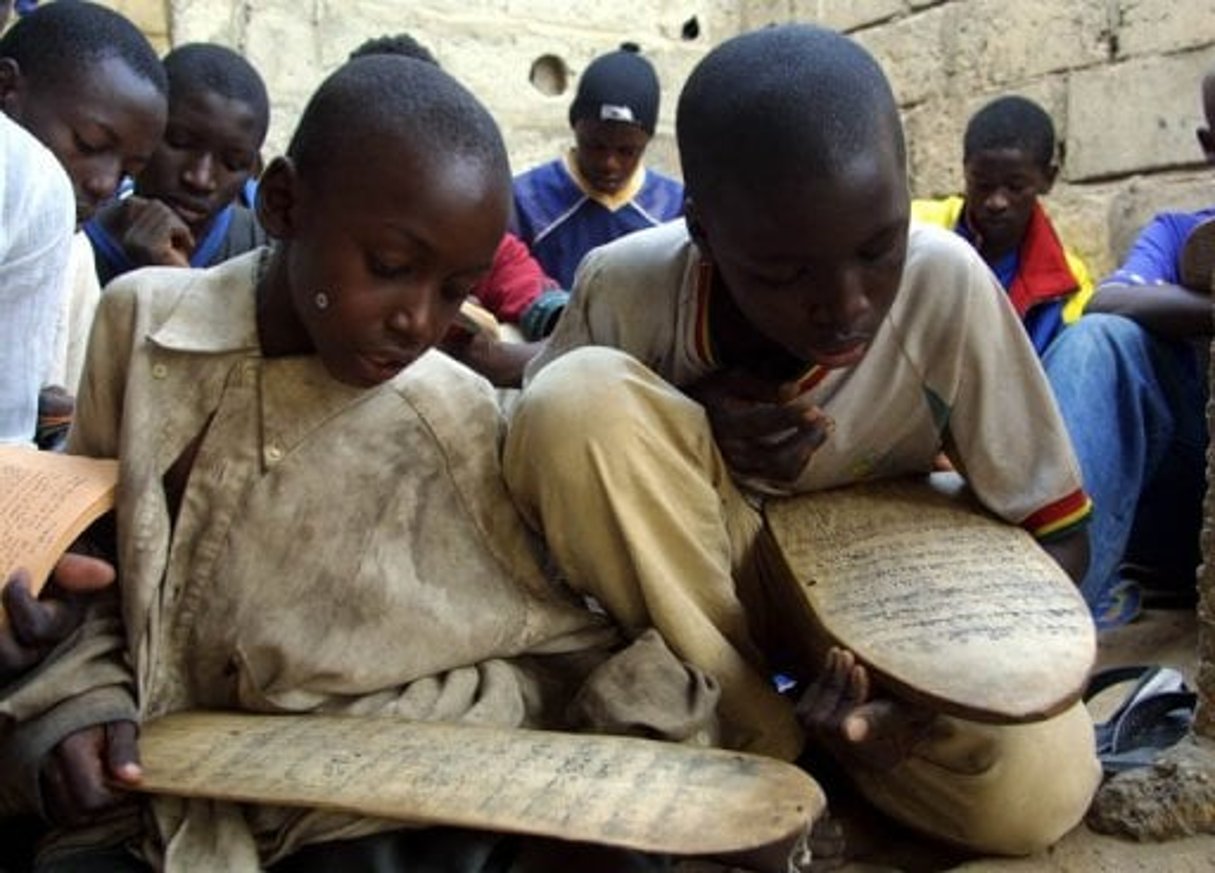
(592, 394)
(999, 790)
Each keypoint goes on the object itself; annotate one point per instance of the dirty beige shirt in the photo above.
(337, 549)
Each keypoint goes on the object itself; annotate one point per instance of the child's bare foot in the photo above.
(839, 711)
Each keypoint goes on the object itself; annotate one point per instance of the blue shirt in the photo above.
(561, 221)
(1155, 257)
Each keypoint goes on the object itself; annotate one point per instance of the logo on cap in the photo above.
(609, 112)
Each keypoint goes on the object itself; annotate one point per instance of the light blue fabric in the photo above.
(1134, 405)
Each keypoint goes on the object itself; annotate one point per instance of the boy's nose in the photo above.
(997, 201)
(102, 178)
(416, 321)
(200, 172)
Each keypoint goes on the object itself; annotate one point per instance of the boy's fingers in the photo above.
(78, 573)
(122, 751)
(82, 772)
(38, 623)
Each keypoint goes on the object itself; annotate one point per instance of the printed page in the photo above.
(49, 499)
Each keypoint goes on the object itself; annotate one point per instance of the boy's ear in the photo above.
(277, 193)
(1051, 174)
(696, 230)
(10, 85)
(1206, 139)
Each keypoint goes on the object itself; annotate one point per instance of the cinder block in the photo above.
(1000, 42)
(1081, 216)
(1149, 26)
(1136, 116)
(852, 14)
(934, 147)
(915, 52)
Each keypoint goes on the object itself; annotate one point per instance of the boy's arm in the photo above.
(1147, 286)
(85, 681)
(1070, 552)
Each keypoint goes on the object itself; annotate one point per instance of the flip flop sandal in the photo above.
(1155, 714)
(1198, 257)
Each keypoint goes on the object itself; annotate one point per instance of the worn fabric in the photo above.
(75, 318)
(561, 217)
(619, 470)
(337, 550)
(233, 231)
(945, 370)
(37, 219)
(1049, 286)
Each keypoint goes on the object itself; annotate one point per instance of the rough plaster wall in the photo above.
(1120, 77)
(490, 45)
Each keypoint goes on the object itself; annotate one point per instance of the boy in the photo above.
(516, 292)
(1008, 161)
(794, 336)
(236, 397)
(83, 80)
(1132, 387)
(599, 190)
(184, 210)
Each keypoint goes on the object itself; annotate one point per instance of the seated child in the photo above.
(184, 210)
(791, 336)
(237, 398)
(1008, 162)
(523, 301)
(599, 190)
(1132, 388)
(88, 84)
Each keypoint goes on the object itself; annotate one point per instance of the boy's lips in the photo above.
(844, 354)
(189, 211)
(381, 368)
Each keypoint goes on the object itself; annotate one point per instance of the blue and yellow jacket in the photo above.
(1051, 286)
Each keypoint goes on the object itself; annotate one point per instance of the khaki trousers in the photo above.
(618, 471)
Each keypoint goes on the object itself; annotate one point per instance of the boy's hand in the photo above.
(35, 625)
(762, 429)
(85, 774)
(839, 711)
(156, 234)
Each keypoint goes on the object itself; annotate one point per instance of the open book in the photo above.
(50, 499)
(944, 603)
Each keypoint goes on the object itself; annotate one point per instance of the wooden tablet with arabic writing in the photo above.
(944, 603)
(635, 793)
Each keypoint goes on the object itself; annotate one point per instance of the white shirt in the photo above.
(37, 220)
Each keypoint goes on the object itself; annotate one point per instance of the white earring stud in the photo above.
(321, 301)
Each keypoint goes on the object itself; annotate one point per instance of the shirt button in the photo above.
(274, 453)
(159, 371)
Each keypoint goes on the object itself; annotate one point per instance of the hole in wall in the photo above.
(549, 75)
(690, 29)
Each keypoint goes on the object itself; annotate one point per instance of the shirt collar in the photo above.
(217, 310)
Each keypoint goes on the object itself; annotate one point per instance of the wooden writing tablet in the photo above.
(945, 604)
(635, 793)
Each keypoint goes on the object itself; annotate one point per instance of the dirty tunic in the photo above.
(337, 549)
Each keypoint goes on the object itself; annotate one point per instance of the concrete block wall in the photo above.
(496, 47)
(1120, 77)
